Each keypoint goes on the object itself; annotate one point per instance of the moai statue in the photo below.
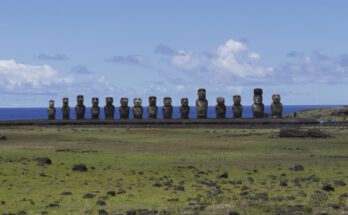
(184, 108)
(276, 106)
(95, 110)
(167, 108)
(124, 108)
(202, 104)
(137, 108)
(51, 110)
(109, 108)
(66, 108)
(258, 107)
(152, 108)
(237, 107)
(220, 108)
(80, 108)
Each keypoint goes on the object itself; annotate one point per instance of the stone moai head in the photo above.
(109, 100)
(202, 94)
(276, 98)
(137, 102)
(65, 101)
(184, 102)
(167, 101)
(95, 101)
(220, 100)
(258, 96)
(237, 100)
(152, 100)
(124, 102)
(51, 104)
(80, 100)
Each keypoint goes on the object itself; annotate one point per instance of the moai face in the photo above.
(95, 101)
(80, 100)
(258, 96)
(109, 100)
(137, 102)
(237, 100)
(184, 102)
(202, 94)
(124, 102)
(65, 101)
(167, 101)
(220, 100)
(152, 100)
(276, 98)
(51, 104)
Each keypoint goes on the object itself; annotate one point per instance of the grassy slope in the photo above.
(134, 160)
(322, 114)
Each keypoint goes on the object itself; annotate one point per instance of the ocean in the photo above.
(41, 113)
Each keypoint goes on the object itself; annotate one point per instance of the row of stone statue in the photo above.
(167, 109)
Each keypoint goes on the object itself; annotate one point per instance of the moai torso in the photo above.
(167, 108)
(109, 108)
(51, 110)
(202, 104)
(237, 107)
(80, 108)
(184, 108)
(66, 108)
(152, 108)
(258, 107)
(95, 110)
(276, 106)
(220, 108)
(124, 108)
(137, 108)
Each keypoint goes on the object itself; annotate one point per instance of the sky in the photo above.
(55, 49)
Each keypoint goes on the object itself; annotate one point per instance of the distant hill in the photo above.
(325, 114)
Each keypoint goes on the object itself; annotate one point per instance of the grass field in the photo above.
(172, 171)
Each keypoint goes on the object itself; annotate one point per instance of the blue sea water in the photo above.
(41, 113)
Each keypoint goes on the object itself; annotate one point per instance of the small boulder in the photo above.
(88, 196)
(327, 187)
(297, 167)
(103, 212)
(79, 168)
(223, 175)
(340, 183)
(3, 138)
(111, 193)
(44, 161)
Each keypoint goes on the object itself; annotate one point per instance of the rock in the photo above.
(157, 185)
(130, 212)
(283, 183)
(340, 183)
(296, 132)
(3, 138)
(297, 167)
(103, 212)
(66, 193)
(53, 205)
(22, 213)
(101, 202)
(111, 193)
(327, 187)
(223, 175)
(44, 161)
(179, 187)
(79, 168)
(88, 196)
(233, 213)
(2, 202)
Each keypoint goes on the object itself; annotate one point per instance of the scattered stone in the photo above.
(53, 205)
(223, 175)
(101, 202)
(233, 213)
(179, 187)
(340, 183)
(66, 193)
(111, 193)
(3, 138)
(103, 212)
(79, 168)
(22, 213)
(44, 161)
(297, 167)
(2, 202)
(88, 196)
(327, 187)
(121, 191)
(283, 183)
(157, 185)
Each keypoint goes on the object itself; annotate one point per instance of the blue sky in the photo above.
(51, 49)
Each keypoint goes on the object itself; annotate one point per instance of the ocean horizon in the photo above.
(32, 113)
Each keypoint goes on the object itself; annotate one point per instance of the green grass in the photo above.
(136, 159)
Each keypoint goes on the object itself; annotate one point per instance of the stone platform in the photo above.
(170, 123)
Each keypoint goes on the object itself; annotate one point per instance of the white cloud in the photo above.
(16, 76)
(230, 60)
